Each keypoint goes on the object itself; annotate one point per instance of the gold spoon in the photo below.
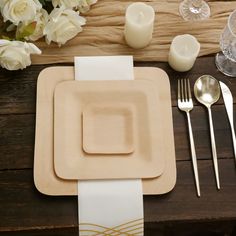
(207, 92)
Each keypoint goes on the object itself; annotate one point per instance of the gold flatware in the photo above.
(228, 100)
(185, 104)
(207, 92)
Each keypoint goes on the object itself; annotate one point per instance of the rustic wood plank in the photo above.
(71, 231)
(200, 125)
(18, 88)
(17, 137)
(182, 204)
(16, 141)
(214, 228)
(23, 208)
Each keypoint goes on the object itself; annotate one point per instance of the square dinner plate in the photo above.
(45, 178)
(72, 98)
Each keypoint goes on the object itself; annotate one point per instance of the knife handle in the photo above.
(233, 138)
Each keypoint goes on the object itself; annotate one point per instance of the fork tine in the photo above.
(179, 95)
(185, 90)
(189, 90)
(182, 90)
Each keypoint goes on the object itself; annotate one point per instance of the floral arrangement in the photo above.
(29, 20)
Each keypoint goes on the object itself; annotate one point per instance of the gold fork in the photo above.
(185, 103)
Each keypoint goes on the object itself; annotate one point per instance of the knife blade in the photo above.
(228, 101)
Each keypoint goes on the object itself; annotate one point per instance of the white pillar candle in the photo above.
(139, 19)
(183, 52)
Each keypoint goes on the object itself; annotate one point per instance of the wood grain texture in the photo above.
(23, 208)
(17, 97)
(150, 229)
(24, 211)
(18, 88)
(103, 34)
(68, 231)
(16, 141)
(17, 137)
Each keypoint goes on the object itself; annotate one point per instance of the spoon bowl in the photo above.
(207, 90)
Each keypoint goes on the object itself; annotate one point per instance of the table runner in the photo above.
(103, 33)
(108, 207)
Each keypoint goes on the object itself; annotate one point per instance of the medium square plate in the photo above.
(108, 128)
(70, 160)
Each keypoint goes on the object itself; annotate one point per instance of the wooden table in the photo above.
(25, 211)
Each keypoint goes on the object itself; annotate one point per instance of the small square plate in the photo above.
(72, 162)
(108, 128)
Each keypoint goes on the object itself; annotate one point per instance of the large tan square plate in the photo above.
(73, 97)
(45, 179)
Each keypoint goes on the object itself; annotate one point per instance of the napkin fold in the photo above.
(108, 207)
(104, 68)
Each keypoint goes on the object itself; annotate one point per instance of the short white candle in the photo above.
(139, 19)
(183, 52)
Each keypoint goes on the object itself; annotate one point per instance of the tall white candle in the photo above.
(139, 21)
(183, 52)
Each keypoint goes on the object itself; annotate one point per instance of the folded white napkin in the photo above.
(109, 207)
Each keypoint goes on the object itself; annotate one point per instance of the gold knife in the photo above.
(228, 100)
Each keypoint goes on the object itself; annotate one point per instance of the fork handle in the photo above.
(193, 154)
(213, 147)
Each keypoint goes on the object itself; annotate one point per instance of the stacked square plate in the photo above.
(103, 130)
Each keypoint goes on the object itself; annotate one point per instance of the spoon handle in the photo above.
(213, 147)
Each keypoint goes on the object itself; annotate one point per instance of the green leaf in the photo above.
(6, 37)
(44, 2)
(26, 31)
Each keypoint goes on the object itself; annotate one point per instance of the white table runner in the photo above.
(108, 207)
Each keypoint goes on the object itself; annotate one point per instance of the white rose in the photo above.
(81, 5)
(63, 25)
(41, 20)
(19, 10)
(15, 55)
(65, 3)
(84, 5)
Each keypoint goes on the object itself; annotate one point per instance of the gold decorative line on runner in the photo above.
(126, 225)
(131, 228)
(126, 232)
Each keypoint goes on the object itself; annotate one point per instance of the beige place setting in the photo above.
(107, 142)
(104, 128)
(60, 153)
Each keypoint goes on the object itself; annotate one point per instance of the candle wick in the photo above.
(140, 17)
